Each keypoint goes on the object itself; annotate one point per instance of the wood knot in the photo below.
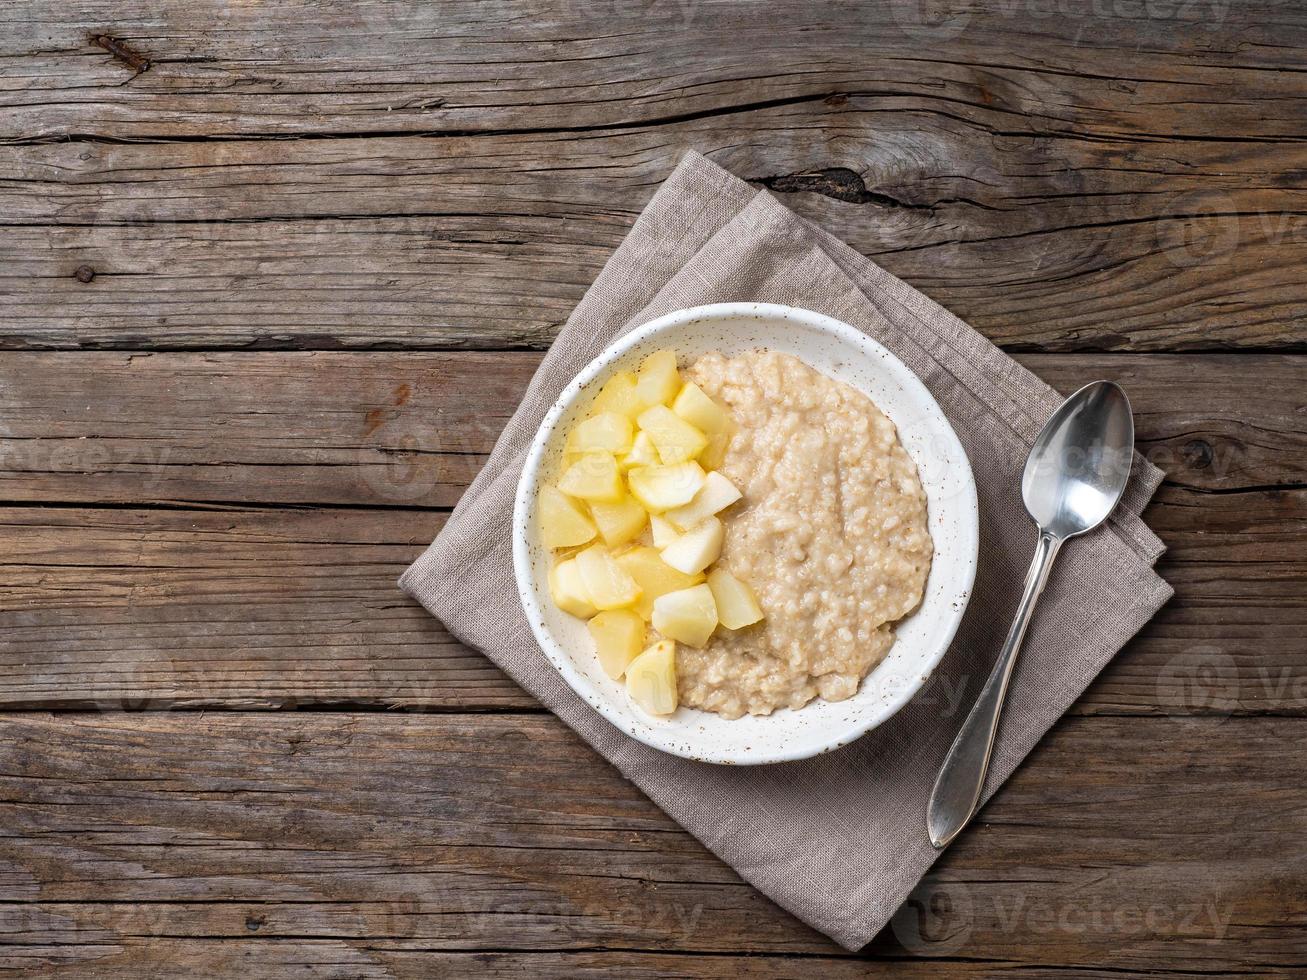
(84, 273)
(1198, 453)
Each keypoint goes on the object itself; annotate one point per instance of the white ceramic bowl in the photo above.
(841, 352)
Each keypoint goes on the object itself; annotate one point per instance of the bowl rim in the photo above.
(615, 351)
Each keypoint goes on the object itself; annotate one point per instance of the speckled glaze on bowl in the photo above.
(841, 352)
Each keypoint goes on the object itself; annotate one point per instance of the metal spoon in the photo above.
(1074, 476)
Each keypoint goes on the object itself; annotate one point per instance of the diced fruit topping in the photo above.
(689, 615)
(661, 488)
(677, 440)
(658, 380)
(737, 606)
(697, 548)
(716, 494)
(618, 636)
(664, 531)
(651, 679)
(654, 576)
(643, 453)
(699, 410)
(568, 590)
(607, 432)
(607, 585)
(714, 455)
(563, 524)
(646, 455)
(620, 522)
(594, 476)
(618, 395)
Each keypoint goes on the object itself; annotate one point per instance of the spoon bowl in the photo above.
(1080, 462)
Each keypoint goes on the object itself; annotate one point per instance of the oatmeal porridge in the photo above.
(831, 533)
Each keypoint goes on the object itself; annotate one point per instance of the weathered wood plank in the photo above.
(406, 429)
(145, 609)
(1210, 70)
(498, 281)
(413, 428)
(247, 607)
(251, 606)
(1010, 184)
(460, 281)
(366, 837)
(151, 957)
(359, 242)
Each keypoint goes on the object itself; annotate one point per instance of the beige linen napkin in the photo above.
(839, 840)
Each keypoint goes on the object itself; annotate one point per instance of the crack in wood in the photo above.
(838, 183)
(843, 184)
(607, 127)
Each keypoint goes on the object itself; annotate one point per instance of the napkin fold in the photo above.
(838, 840)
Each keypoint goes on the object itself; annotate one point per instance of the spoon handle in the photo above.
(957, 789)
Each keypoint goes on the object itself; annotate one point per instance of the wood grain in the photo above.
(268, 607)
(146, 958)
(218, 70)
(466, 173)
(149, 957)
(222, 602)
(367, 843)
(411, 429)
(360, 242)
(359, 429)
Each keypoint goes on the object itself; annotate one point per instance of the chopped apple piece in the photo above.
(594, 476)
(699, 410)
(697, 548)
(618, 395)
(661, 488)
(620, 522)
(568, 590)
(618, 636)
(654, 576)
(664, 531)
(658, 380)
(562, 521)
(651, 679)
(607, 585)
(677, 440)
(714, 454)
(737, 606)
(607, 432)
(716, 494)
(689, 615)
(643, 453)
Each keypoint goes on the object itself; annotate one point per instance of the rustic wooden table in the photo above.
(275, 274)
